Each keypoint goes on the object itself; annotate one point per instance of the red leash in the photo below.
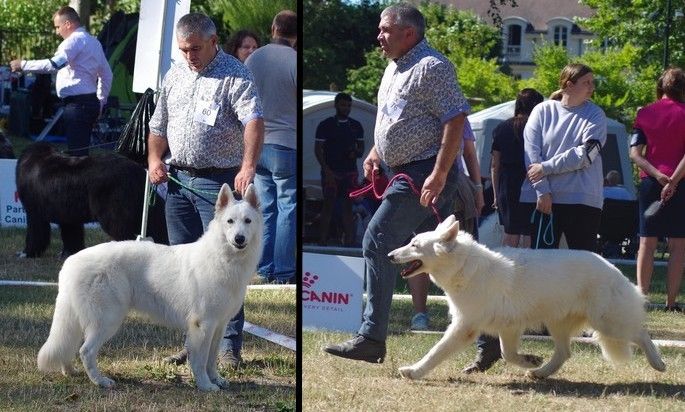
(371, 187)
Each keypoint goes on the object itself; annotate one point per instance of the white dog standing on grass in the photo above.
(197, 287)
(506, 291)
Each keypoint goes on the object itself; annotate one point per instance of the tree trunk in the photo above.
(82, 7)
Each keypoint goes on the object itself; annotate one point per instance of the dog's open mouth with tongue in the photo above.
(411, 269)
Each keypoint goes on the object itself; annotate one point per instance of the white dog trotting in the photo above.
(197, 287)
(506, 291)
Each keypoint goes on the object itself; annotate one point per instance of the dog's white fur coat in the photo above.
(197, 287)
(506, 291)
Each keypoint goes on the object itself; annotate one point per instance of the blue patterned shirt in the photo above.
(419, 93)
(227, 94)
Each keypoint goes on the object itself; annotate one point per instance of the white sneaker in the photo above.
(419, 321)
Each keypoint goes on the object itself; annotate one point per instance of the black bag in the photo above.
(132, 141)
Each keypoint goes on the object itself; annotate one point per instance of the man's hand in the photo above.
(432, 187)
(15, 65)
(544, 204)
(244, 177)
(372, 164)
(535, 172)
(157, 172)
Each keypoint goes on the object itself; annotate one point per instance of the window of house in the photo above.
(560, 35)
(514, 39)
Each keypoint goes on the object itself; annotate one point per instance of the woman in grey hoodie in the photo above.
(562, 140)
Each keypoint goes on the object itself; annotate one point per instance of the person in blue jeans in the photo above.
(208, 128)
(275, 71)
(276, 183)
(418, 132)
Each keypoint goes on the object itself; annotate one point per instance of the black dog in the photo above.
(69, 191)
(6, 151)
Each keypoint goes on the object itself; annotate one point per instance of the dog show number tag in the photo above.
(205, 112)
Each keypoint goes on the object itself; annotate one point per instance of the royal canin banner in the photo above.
(332, 292)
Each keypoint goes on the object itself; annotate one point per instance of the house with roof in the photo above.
(532, 23)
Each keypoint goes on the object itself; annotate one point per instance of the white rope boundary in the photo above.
(444, 298)
(282, 340)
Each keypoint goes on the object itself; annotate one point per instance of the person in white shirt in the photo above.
(83, 79)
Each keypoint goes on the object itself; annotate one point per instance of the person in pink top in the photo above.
(658, 149)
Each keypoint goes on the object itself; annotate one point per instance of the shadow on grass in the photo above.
(561, 387)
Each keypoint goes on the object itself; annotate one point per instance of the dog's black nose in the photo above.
(239, 239)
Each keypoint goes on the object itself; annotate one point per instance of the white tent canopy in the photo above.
(615, 153)
(316, 106)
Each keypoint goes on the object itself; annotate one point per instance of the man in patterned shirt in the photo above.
(419, 127)
(208, 128)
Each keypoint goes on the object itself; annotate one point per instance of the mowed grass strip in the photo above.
(585, 382)
(133, 357)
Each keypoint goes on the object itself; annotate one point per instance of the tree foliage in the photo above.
(364, 81)
(337, 36)
(26, 28)
(494, 11)
(233, 15)
(469, 43)
(623, 84)
(641, 23)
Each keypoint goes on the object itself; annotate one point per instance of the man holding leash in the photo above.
(419, 128)
(83, 78)
(208, 128)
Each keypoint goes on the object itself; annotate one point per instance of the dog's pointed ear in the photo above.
(225, 197)
(451, 231)
(448, 221)
(251, 196)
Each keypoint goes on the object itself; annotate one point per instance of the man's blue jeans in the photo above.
(188, 214)
(276, 184)
(399, 216)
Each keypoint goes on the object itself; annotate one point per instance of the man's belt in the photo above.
(80, 98)
(204, 172)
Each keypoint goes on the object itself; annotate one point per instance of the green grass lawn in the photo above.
(266, 381)
(586, 382)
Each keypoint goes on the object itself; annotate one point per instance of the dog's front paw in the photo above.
(408, 372)
(220, 382)
(210, 387)
(105, 382)
(535, 374)
(533, 360)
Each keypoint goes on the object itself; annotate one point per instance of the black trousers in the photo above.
(80, 113)
(578, 223)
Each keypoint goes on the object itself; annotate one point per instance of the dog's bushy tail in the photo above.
(59, 350)
(617, 351)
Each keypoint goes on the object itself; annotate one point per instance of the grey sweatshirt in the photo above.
(554, 137)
